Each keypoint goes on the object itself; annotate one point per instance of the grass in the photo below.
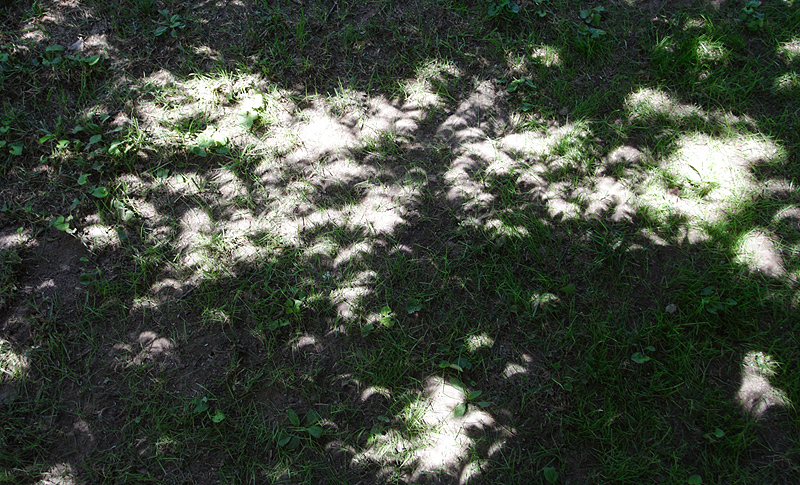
(407, 243)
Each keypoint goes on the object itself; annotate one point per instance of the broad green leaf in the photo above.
(247, 119)
(694, 480)
(218, 416)
(100, 192)
(639, 358)
(458, 384)
(15, 149)
(201, 404)
(83, 179)
(62, 224)
(474, 394)
(312, 417)
(568, 289)
(460, 410)
(315, 431)
(550, 474)
(293, 418)
(284, 438)
(114, 148)
(462, 362)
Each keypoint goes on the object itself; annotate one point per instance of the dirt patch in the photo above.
(49, 276)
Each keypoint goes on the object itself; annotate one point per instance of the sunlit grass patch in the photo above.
(707, 178)
(547, 55)
(757, 395)
(787, 84)
(759, 250)
(430, 434)
(432, 85)
(13, 364)
(657, 104)
(789, 51)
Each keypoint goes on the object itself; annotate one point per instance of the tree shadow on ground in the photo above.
(430, 248)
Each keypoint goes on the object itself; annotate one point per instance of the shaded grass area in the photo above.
(377, 242)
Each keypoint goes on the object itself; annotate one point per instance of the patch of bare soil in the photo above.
(49, 275)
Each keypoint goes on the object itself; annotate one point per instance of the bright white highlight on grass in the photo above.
(787, 83)
(350, 293)
(306, 343)
(648, 102)
(12, 364)
(60, 474)
(759, 251)
(547, 56)
(307, 180)
(375, 390)
(442, 440)
(9, 240)
(790, 51)
(706, 179)
(513, 369)
(711, 51)
(756, 395)
(473, 343)
(422, 91)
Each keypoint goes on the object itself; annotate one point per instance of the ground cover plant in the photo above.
(320, 241)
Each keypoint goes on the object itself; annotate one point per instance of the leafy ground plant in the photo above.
(171, 23)
(503, 9)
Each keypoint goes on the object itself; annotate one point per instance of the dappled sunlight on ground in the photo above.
(756, 395)
(13, 364)
(148, 347)
(316, 181)
(790, 51)
(60, 474)
(405, 242)
(707, 179)
(444, 435)
(320, 168)
(421, 91)
(760, 252)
